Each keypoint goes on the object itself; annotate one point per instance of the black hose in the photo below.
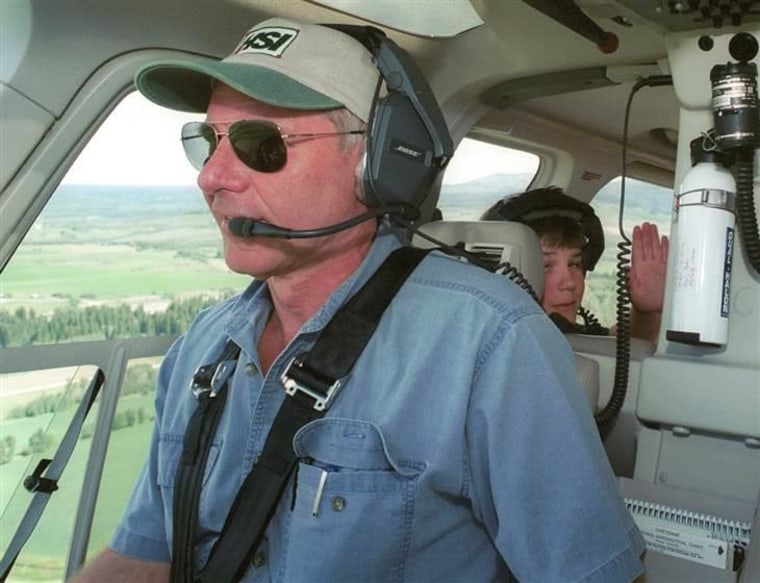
(743, 170)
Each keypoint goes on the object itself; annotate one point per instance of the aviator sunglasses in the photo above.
(258, 144)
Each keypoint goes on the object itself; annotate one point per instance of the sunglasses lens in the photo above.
(259, 145)
(199, 142)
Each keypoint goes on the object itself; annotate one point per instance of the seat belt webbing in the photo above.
(210, 388)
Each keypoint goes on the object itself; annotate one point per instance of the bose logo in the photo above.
(267, 41)
(406, 150)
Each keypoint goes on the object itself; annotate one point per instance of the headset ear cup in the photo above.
(400, 154)
(595, 245)
(369, 190)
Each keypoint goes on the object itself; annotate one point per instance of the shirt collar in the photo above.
(256, 295)
(387, 240)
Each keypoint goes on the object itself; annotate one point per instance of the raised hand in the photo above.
(649, 262)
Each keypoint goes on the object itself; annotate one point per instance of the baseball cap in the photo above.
(279, 62)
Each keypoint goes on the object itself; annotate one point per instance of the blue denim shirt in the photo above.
(460, 448)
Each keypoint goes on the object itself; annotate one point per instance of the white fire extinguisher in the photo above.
(705, 219)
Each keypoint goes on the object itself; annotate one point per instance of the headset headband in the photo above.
(408, 141)
(548, 202)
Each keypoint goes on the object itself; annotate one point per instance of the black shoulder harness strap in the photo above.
(312, 380)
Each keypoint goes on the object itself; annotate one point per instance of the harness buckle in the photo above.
(299, 377)
(36, 483)
(218, 372)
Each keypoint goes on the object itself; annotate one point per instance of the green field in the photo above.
(95, 245)
(44, 555)
(89, 271)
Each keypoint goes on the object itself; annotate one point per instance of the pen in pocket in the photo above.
(323, 472)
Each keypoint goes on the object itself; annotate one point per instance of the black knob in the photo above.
(743, 47)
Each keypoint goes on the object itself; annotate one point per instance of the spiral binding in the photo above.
(731, 531)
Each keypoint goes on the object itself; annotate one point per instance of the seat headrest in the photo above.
(493, 242)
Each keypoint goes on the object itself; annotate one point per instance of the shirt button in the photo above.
(259, 559)
(338, 503)
(250, 369)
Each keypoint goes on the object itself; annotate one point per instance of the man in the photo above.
(458, 448)
(572, 241)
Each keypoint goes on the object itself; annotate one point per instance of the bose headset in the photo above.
(408, 141)
(551, 201)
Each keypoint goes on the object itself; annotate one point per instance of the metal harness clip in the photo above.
(296, 376)
(201, 383)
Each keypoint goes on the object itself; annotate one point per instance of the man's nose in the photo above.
(221, 166)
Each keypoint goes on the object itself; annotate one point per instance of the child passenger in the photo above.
(572, 241)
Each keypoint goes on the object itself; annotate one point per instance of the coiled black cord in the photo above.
(591, 323)
(609, 413)
(743, 170)
(508, 270)
(606, 417)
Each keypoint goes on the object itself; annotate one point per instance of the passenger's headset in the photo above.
(408, 141)
(547, 202)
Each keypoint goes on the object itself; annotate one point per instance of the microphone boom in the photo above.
(247, 227)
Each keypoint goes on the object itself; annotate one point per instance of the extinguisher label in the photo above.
(726, 295)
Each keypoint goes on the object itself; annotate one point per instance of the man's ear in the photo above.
(359, 177)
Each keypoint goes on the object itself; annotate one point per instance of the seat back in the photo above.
(496, 242)
(587, 371)
(493, 242)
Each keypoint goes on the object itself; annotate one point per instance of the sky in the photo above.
(156, 156)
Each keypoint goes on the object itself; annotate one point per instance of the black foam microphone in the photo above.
(246, 227)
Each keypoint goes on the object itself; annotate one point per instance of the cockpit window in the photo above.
(644, 201)
(125, 253)
(481, 173)
(110, 255)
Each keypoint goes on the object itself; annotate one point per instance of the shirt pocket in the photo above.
(353, 500)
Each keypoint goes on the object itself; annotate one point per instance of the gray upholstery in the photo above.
(503, 240)
(588, 378)
(518, 244)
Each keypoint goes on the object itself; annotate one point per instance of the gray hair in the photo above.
(345, 121)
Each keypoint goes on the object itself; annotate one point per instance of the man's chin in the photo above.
(244, 264)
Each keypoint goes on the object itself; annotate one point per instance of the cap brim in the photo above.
(187, 86)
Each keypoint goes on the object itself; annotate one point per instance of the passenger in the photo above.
(457, 450)
(572, 241)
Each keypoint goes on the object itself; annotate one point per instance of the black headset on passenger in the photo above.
(547, 202)
(408, 141)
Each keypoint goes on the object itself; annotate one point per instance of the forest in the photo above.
(24, 326)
